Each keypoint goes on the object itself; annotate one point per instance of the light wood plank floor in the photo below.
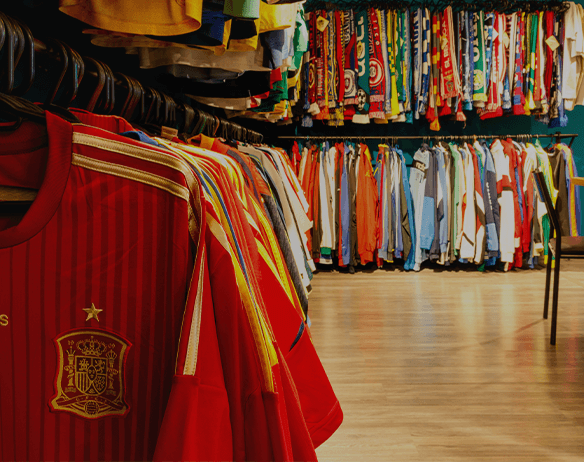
(451, 366)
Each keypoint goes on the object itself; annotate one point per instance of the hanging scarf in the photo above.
(417, 60)
(545, 107)
(331, 60)
(518, 95)
(340, 59)
(350, 40)
(531, 53)
(526, 53)
(399, 57)
(537, 84)
(498, 70)
(362, 99)
(549, 61)
(382, 19)
(376, 70)
(391, 52)
(466, 60)
(432, 114)
(450, 85)
(558, 117)
(426, 61)
(510, 60)
(321, 74)
(407, 68)
(479, 82)
(306, 118)
(311, 71)
(458, 23)
(335, 118)
(489, 37)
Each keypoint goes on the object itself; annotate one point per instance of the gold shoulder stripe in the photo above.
(132, 151)
(132, 174)
(150, 155)
(194, 335)
(142, 177)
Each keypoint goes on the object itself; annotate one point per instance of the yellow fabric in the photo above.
(277, 17)
(249, 44)
(146, 17)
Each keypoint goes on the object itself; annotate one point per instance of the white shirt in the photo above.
(573, 55)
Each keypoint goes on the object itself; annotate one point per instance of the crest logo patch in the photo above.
(90, 378)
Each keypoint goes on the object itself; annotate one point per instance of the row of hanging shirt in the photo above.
(470, 202)
(376, 65)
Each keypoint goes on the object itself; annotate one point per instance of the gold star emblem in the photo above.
(92, 313)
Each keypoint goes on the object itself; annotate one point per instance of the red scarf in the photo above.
(312, 62)
(450, 82)
(376, 69)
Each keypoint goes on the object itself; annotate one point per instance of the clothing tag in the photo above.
(552, 42)
(321, 23)
(506, 40)
(168, 133)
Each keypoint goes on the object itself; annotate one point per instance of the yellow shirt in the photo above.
(276, 17)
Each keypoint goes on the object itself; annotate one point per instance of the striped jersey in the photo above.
(95, 301)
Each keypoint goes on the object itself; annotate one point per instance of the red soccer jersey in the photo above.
(94, 281)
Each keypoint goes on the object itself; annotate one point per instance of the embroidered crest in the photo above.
(90, 379)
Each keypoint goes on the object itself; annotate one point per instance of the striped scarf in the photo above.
(489, 39)
(426, 60)
(518, 95)
(340, 58)
(450, 83)
(417, 60)
(321, 74)
(331, 60)
(557, 113)
(541, 64)
(531, 53)
(432, 114)
(391, 52)
(479, 82)
(335, 117)
(362, 99)
(399, 56)
(498, 70)
(311, 77)
(382, 18)
(407, 63)
(350, 42)
(510, 59)
(376, 70)
(466, 60)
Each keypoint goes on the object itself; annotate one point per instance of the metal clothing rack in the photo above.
(392, 139)
(66, 70)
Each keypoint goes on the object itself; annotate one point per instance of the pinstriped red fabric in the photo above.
(94, 235)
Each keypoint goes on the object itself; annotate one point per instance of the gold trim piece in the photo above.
(132, 174)
(149, 155)
(150, 179)
(193, 343)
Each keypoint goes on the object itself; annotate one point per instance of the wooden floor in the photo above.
(451, 366)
